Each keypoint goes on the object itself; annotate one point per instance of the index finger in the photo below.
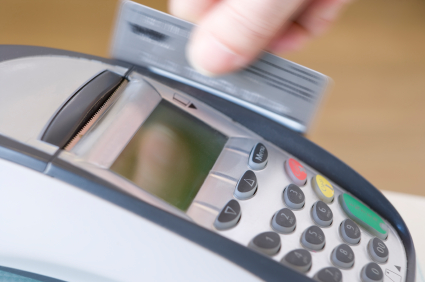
(234, 32)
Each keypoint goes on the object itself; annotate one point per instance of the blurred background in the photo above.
(374, 116)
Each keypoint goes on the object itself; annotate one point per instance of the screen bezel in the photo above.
(134, 104)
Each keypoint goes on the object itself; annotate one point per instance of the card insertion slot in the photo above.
(81, 108)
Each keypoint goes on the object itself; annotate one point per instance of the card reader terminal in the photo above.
(220, 169)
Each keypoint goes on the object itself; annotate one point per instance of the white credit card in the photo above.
(274, 87)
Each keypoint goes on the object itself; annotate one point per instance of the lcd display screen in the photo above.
(171, 155)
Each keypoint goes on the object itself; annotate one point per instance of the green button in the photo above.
(364, 216)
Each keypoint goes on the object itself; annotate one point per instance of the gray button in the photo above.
(343, 256)
(267, 243)
(284, 221)
(328, 274)
(350, 232)
(299, 260)
(247, 185)
(258, 157)
(322, 214)
(378, 251)
(293, 197)
(372, 272)
(229, 216)
(313, 238)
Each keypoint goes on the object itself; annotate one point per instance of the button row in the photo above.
(313, 238)
(356, 210)
(324, 190)
(301, 261)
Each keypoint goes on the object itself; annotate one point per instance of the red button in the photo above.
(296, 172)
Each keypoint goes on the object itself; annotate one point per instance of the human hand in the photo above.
(232, 33)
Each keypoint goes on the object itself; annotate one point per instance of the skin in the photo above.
(230, 34)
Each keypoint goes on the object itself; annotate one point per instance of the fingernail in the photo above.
(210, 57)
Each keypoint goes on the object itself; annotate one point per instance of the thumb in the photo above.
(234, 32)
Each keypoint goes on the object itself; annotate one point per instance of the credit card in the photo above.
(281, 90)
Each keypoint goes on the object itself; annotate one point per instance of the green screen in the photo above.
(171, 155)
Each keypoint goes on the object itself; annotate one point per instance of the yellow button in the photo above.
(323, 188)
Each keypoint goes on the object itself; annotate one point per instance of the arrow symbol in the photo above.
(250, 182)
(270, 239)
(229, 210)
(398, 267)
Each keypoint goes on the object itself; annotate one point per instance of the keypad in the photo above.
(267, 243)
(350, 232)
(229, 216)
(293, 197)
(372, 272)
(299, 260)
(313, 238)
(329, 274)
(334, 257)
(322, 214)
(378, 251)
(343, 256)
(284, 221)
(247, 185)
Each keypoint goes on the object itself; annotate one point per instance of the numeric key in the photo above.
(267, 243)
(299, 260)
(372, 272)
(350, 232)
(293, 197)
(322, 214)
(328, 274)
(313, 238)
(378, 251)
(343, 256)
(284, 221)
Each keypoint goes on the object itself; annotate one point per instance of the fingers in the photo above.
(313, 21)
(190, 10)
(234, 32)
